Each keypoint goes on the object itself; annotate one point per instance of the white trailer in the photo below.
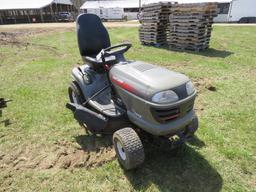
(242, 11)
(108, 13)
(223, 10)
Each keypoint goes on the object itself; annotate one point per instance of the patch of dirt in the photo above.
(203, 84)
(15, 39)
(18, 38)
(92, 152)
(7, 38)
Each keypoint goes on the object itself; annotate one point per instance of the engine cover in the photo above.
(143, 79)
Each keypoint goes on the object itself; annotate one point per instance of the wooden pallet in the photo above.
(154, 24)
(155, 44)
(157, 8)
(195, 7)
(161, 7)
(158, 4)
(156, 30)
(148, 27)
(152, 33)
(188, 44)
(189, 30)
(160, 22)
(189, 35)
(155, 17)
(152, 30)
(149, 37)
(189, 38)
(189, 5)
(179, 24)
(155, 14)
(204, 20)
(185, 43)
(189, 16)
(189, 27)
(183, 26)
(163, 37)
(193, 10)
(152, 38)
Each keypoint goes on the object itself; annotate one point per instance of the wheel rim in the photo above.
(120, 150)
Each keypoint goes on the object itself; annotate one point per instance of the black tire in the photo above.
(131, 147)
(74, 90)
(192, 127)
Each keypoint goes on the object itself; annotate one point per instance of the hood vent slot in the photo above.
(143, 67)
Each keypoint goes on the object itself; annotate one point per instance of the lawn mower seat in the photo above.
(92, 38)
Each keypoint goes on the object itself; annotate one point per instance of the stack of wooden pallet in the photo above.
(191, 26)
(155, 19)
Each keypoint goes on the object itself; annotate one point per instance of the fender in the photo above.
(88, 80)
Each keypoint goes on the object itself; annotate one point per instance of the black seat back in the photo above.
(92, 35)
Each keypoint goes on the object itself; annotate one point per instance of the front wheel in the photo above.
(129, 148)
(192, 127)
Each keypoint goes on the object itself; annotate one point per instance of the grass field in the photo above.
(42, 148)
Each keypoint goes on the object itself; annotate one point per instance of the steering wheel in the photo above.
(113, 51)
(117, 49)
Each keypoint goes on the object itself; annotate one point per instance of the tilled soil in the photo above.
(17, 39)
(61, 155)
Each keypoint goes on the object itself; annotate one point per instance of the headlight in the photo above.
(165, 97)
(190, 88)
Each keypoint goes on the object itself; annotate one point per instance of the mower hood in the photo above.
(145, 79)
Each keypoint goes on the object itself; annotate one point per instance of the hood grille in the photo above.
(169, 114)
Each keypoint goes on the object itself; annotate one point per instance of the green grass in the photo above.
(222, 158)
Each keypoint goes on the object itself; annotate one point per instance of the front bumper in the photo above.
(171, 128)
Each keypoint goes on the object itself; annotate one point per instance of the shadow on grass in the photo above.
(210, 52)
(195, 141)
(6, 122)
(92, 143)
(183, 170)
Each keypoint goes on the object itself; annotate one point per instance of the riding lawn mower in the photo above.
(129, 99)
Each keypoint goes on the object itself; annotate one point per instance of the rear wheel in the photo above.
(129, 148)
(76, 96)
